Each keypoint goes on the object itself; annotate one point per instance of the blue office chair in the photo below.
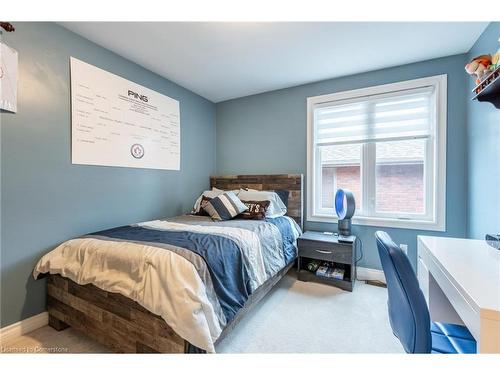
(408, 312)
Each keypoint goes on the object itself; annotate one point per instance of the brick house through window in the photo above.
(400, 188)
(343, 177)
(399, 175)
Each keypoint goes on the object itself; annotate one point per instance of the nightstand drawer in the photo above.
(325, 251)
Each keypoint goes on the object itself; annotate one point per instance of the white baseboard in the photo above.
(370, 274)
(23, 327)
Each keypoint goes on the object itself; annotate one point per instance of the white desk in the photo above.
(468, 274)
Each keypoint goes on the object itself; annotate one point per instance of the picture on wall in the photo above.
(8, 78)
(116, 122)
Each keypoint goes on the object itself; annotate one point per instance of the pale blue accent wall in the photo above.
(44, 198)
(266, 133)
(483, 141)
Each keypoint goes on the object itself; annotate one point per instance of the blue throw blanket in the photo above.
(222, 255)
(289, 247)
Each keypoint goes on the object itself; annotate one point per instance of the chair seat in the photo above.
(451, 339)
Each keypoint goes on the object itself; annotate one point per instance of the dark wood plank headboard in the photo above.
(291, 182)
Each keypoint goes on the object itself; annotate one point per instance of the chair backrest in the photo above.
(408, 312)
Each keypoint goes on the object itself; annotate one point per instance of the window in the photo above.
(387, 144)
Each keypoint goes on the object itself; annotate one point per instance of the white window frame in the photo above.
(438, 146)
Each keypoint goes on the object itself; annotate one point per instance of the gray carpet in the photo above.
(300, 317)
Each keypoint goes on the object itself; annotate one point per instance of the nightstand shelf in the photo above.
(325, 248)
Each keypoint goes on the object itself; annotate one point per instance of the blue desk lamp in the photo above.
(345, 206)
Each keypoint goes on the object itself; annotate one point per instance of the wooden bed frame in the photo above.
(125, 326)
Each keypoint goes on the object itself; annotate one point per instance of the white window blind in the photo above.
(397, 115)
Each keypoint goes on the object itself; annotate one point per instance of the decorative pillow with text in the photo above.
(256, 210)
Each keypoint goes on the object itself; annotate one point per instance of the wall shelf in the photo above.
(489, 89)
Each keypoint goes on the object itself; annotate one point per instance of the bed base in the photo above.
(121, 323)
(109, 318)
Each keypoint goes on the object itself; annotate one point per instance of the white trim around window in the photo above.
(435, 218)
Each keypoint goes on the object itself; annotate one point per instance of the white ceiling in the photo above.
(221, 61)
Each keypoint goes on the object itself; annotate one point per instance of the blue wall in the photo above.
(266, 133)
(46, 200)
(483, 141)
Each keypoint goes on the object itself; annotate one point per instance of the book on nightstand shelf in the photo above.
(330, 272)
(322, 271)
(338, 273)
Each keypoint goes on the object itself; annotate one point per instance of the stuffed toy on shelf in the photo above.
(495, 60)
(479, 66)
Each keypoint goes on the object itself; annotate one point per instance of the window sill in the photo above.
(384, 222)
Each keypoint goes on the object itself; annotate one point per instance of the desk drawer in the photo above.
(324, 251)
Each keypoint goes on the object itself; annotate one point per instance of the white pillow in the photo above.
(276, 209)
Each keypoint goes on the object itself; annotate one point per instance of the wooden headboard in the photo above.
(291, 182)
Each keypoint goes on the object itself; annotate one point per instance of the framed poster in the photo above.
(8, 78)
(116, 122)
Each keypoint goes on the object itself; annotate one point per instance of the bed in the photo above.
(176, 285)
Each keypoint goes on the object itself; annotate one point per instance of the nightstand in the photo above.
(327, 250)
